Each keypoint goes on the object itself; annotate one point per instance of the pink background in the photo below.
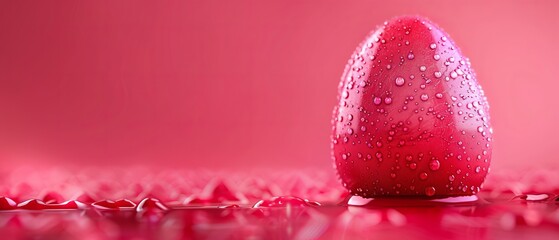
(242, 83)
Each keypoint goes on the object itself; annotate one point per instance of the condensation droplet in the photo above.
(453, 74)
(399, 81)
(423, 176)
(433, 46)
(411, 56)
(424, 97)
(429, 191)
(439, 95)
(434, 165)
(377, 100)
(388, 100)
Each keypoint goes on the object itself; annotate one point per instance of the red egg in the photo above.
(412, 119)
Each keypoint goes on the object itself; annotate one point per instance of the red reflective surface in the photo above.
(286, 205)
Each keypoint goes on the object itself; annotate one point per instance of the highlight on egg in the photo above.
(412, 119)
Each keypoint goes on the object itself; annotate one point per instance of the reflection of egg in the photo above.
(412, 119)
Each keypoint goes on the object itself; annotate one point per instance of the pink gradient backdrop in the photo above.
(242, 83)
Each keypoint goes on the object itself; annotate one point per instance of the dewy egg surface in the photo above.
(412, 120)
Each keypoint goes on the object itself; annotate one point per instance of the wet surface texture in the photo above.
(264, 205)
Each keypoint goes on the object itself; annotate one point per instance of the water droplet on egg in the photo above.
(377, 100)
(388, 100)
(430, 191)
(399, 81)
(453, 74)
(411, 56)
(451, 178)
(434, 165)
